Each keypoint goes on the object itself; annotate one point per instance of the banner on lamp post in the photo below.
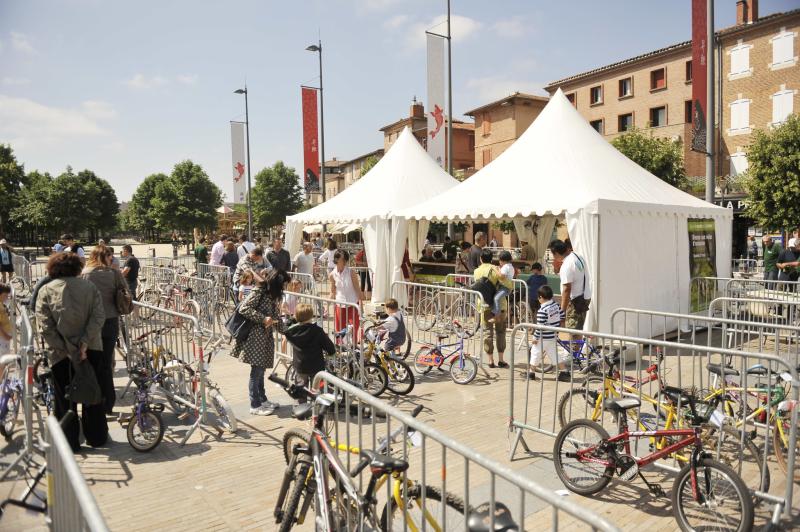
(699, 73)
(239, 163)
(310, 140)
(436, 118)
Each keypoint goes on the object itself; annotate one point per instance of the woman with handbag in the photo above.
(109, 282)
(256, 346)
(69, 311)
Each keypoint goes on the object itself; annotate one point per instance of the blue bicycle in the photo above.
(11, 390)
(463, 367)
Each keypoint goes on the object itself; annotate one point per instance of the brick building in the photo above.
(341, 174)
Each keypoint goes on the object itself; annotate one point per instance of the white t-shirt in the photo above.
(245, 248)
(304, 262)
(573, 271)
(507, 270)
(327, 259)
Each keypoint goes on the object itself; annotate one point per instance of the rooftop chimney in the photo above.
(746, 12)
(417, 109)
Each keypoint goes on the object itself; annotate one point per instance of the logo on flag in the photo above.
(438, 116)
(239, 171)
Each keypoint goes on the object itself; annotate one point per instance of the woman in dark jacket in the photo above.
(262, 307)
(69, 311)
(108, 280)
(230, 258)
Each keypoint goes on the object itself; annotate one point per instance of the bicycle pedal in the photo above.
(657, 491)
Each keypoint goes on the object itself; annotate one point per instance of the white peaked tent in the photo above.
(629, 226)
(405, 176)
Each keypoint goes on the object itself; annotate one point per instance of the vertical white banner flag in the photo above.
(239, 167)
(435, 112)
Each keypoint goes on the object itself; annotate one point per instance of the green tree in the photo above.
(276, 195)
(102, 206)
(660, 156)
(69, 203)
(140, 215)
(187, 199)
(32, 212)
(12, 177)
(369, 162)
(773, 176)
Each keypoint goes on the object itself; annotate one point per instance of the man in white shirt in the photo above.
(217, 250)
(71, 247)
(576, 286)
(245, 247)
(304, 263)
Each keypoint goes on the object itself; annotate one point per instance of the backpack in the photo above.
(486, 288)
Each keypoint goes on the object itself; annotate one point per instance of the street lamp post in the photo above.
(318, 48)
(249, 199)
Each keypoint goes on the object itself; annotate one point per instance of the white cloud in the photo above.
(513, 27)
(25, 122)
(140, 81)
(15, 81)
(20, 43)
(462, 28)
(495, 87)
(396, 22)
(187, 79)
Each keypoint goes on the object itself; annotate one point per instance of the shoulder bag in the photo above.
(580, 303)
(238, 326)
(122, 298)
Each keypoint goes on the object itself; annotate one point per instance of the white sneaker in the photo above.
(270, 405)
(261, 411)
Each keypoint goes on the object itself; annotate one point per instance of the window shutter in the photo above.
(782, 106)
(782, 48)
(740, 60)
(739, 163)
(735, 120)
(744, 113)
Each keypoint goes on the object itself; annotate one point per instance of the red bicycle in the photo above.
(706, 494)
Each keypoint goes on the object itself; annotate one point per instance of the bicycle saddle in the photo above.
(677, 395)
(302, 411)
(757, 370)
(620, 405)
(381, 463)
(479, 519)
(720, 370)
(441, 336)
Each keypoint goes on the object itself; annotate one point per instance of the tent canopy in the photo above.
(560, 164)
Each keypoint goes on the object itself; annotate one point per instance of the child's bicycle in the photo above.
(11, 391)
(145, 427)
(706, 494)
(400, 379)
(463, 367)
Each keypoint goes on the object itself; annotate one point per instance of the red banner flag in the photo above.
(699, 73)
(310, 140)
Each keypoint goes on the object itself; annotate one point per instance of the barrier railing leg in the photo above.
(518, 439)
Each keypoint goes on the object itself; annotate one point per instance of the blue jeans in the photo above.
(501, 293)
(256, 386)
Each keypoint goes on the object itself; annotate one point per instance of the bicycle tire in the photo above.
(21, 288)
(414, 493)
(292, 502)
(422, 369)
(291, 438)
(400, 377)
(375, 379)
(599, 434)
(42, 382)
(151, 297)
(729, 456)
(158, 424)
(224, 411)
(684, 480)
(465, 374)
(781, 450)
(566, 409)
(425, 314)
(191, 308)
(8, 420)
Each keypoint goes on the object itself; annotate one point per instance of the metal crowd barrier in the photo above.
(309, 285)
(763, 289)
(431, 310)
(686, 366)
(22, 269)
(438, 462)
(519, 310)
(703, 290)
(154, 261)
(38, 269)
(165, 340)
(155, 276)
(70, 503)
(747, 266)
(203, 292)
(184, 263)
(757, 309)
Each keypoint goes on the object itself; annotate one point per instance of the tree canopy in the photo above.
(773, 176)
(186, 199)
(140, 215)
(661, 157)
(276, 195)
(12, 177)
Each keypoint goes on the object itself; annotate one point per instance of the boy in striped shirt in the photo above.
(544, 342)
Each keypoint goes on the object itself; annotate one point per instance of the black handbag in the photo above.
(238, 326)
(83, 388)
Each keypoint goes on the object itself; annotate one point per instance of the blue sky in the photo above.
(131, 88)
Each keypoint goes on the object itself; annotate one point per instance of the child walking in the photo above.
(309, 345)
(544, 342)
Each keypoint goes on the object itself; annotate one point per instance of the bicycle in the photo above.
(705, 493)
(463, 367)
(145, 427)
(312, 458)
(11, 392)
(168, 297)
(433, 308)
(400, 380)
(43, 387)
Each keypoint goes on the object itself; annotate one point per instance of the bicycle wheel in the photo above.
(425, 314)
(580, 476)
(190, 308)
(224, 411)
(223, 313)
(780, 442)
(394, 518)
(743, 458)
(145, 433)
(401, 380)
(421, 365)
(294, 437)
(584, 402)
(467, 315)
(463, 369)
(375, 379)
(43, 383)
(286, 515)
(10, 413)
(725, 503)
(151, 297)
(21, 289)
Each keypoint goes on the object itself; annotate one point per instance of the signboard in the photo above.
(239, 162)
(702, 258)
(736, 205)
(699, 74)
(310, 140)
(436, 116)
